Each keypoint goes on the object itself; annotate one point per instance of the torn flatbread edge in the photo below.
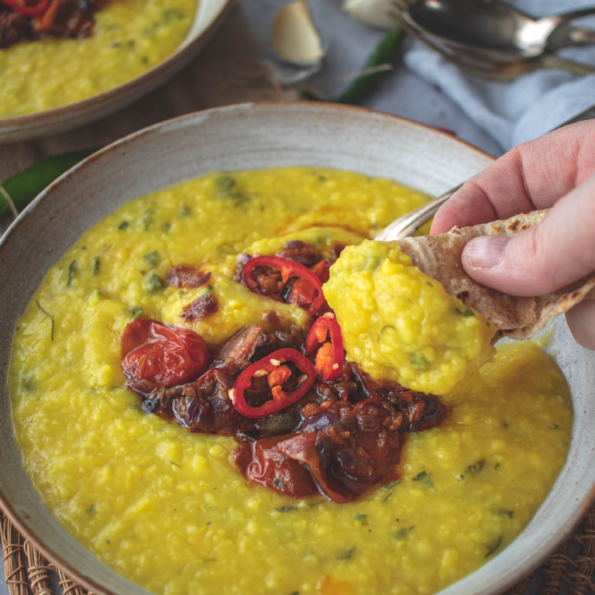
(439, 256)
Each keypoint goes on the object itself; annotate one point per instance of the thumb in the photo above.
(545, 258)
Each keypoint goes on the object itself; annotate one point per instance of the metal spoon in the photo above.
(480, 65)
(495, 30)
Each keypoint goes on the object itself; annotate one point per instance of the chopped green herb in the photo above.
(209, 288)
(116, 44)
(173, 14)
(166, 226)
(153, 283)
(385, 499)
(152, 258)
(554, 427)
(497, 466)
(286, 508)
(393, 484)
(184, 212)
(493, 546)
(322, 178)
(503, 512)
(91, 510)
(147, 219)
(360, 518)
(49, 316)
(145, 59)
(224, 185)
(135, 311)
(278, 483)
(172, 463)
(428, 283)
(475, 468)
(468, 312)
(419, 362)
(347, 554)
(95, 266)
(400, 534)
(72, 272)
(123, 225)
(421, 475)
(131, 43)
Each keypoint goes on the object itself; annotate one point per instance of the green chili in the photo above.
(25, 186)
(385, 53)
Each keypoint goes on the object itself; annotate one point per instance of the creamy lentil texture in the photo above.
(398, 323)
(129, 37)
(168, 509)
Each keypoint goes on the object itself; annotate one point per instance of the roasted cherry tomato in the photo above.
(162, 354)
(31, 11)
(307, 288)
(277, 374)
(330, 356)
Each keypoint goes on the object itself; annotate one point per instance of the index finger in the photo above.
(532, 176)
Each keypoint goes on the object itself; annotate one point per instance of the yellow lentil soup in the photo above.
(168, 508)
(129, 37)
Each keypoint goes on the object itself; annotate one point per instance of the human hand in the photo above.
(556, 170)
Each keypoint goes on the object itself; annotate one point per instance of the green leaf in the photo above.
(153, 283)
(503, 512)
(72, 273)
(50, 317)
(147, 219)
(360, 517)
(184, 212)
(286, 508)
(419, 362)
(400, 534)
(475, 468)
(95, 264)
(152, 258)
(421, 475)
(224, 185)
(347, 554)
(135, 311)
(123, 225)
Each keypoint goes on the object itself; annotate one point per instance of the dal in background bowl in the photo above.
(256, 136)
(209, 16)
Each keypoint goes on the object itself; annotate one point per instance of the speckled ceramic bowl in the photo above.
(245, 137)
(208, 17)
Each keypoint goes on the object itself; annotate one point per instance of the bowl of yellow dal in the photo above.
(482, 501)
(54, 85)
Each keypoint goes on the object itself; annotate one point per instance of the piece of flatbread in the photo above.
(439, 256)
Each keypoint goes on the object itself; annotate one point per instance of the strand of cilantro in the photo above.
(25, 186)
(385, 53)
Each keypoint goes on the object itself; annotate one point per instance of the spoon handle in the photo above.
(575, 14)
(406, 226)
(552, 61)
(581, 35)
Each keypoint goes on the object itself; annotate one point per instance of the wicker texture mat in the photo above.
(568, 571)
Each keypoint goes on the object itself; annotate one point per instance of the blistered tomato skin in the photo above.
(162, 354)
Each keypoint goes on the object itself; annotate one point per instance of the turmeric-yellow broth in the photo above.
(129, 37)
(169, 509)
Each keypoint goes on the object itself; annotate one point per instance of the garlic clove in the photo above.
(294, 36)
(378, 13)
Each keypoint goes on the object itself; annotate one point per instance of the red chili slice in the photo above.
(31, 11)
(306, 282)
(162, 354)
(277, 374)
(330, 356)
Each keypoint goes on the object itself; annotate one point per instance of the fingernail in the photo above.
(486, 252)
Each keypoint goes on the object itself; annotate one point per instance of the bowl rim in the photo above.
(507, 580)
(190, 43)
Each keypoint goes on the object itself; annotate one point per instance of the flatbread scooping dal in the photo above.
(439, 256)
